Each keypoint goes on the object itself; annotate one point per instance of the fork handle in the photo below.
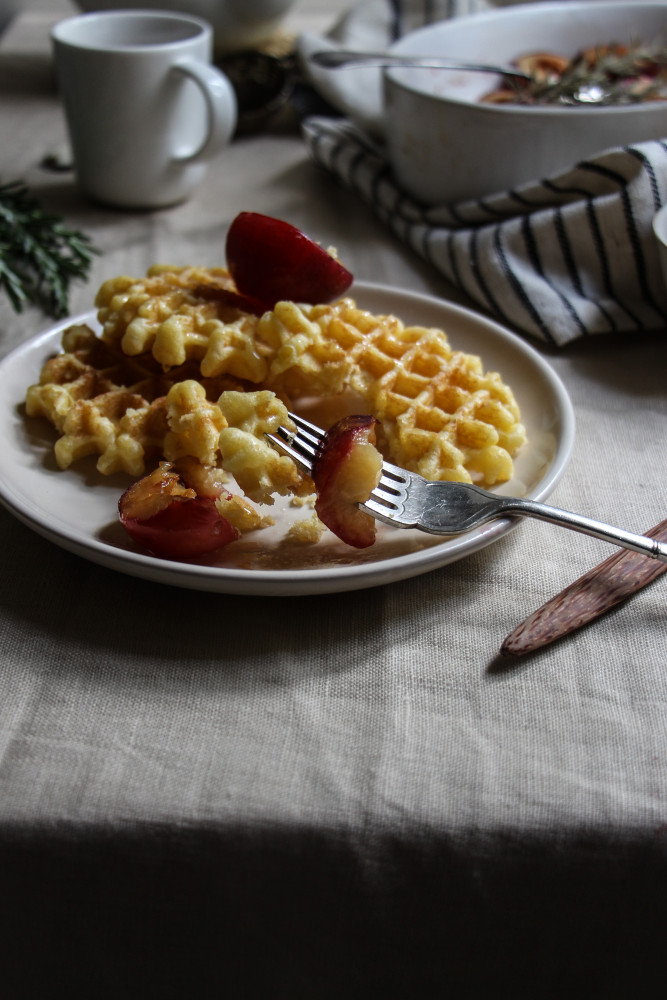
(586, 525)
(450, 508)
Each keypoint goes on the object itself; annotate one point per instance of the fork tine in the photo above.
(389, 472)
(302, 446)
(391, 485)
(304, 426)
(385, 497)
(379, 510)
(303, 458)
(392, 473)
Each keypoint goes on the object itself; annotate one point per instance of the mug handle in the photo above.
(221, 108)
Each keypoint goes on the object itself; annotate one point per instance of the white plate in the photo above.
(77, 508)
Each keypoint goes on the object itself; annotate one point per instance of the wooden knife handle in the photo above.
(587, 598)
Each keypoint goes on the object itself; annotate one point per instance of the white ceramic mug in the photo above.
(145, 108)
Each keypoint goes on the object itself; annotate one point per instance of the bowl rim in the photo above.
(395, 76)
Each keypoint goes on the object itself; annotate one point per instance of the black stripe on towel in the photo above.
(566, 250)
(570, 263)
(481, 282)
(429, 233)
(580, 192)
(603, 259)
(337, 149)
(453, 263)
(519, 198)
(518, 288)
(396, 26)
(492, 211)
(319, 136)
(382, 175)
(356, 160)
(637, 251)
(599, 168)
(650, 173)
(534, 257)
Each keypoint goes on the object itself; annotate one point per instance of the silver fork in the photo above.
(407, 500)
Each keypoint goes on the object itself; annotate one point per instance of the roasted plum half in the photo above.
(271, 260)
(346, 469)
(172, 513)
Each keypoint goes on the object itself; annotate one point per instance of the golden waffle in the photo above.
(104, 403)
(168, 315)
(256, 466)
(440, 414)
(177, 371)
(194, 424)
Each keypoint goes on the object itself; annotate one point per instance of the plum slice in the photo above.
(271, 260)
(173, 514)
(346, 469)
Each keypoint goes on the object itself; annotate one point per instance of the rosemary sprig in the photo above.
(39, 255)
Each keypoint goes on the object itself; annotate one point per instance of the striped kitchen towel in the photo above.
(561, 258)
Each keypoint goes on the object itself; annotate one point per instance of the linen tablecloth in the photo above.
(330, 796)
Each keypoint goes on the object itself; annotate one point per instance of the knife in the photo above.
(614, 580)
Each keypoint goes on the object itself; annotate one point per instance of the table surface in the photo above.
(355, 784)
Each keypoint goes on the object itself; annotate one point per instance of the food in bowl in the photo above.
(601, 74)
(446, 146)
(185, 379)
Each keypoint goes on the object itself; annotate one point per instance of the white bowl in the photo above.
(237, 24)
(445, 146)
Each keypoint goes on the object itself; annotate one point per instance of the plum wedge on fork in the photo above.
(407, 500)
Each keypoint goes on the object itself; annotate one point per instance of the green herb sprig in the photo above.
(39, 255)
